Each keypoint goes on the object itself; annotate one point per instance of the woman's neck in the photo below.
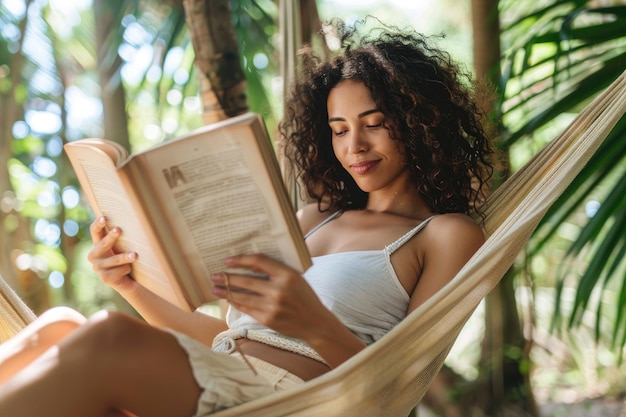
(405, 203)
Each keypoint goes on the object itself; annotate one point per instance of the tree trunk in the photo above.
(112, 91)
(222, 81)
(503, 386)
(486, 37)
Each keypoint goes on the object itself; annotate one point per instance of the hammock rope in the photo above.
(391, 376)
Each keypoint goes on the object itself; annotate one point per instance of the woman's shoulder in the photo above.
(454, 227)
(455, 220)
(310, 215)
(455, 223)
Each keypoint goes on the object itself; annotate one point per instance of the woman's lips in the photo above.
(361, 168)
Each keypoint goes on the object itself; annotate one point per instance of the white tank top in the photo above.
(360, 287)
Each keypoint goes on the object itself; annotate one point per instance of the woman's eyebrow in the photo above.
(366, 112)
(360, 115)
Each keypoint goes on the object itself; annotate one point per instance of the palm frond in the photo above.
(574, 51)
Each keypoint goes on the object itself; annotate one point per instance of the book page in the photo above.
(109, 197)
(217, 195)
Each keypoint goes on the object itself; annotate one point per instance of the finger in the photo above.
(113, 261)
(229, 283)
(108, 241)
(114, 266)
(104, 248)
(242, 292)
(255, 262)
(238, 298)
(97, 229)
(229, 294)
(112, 275)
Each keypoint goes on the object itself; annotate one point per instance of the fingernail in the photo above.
(217, 277)
(102, 220)
(132, 255)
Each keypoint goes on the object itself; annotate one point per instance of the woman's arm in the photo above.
(451, 240)
(113, 269)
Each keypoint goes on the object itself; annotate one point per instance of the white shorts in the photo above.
(227, 380)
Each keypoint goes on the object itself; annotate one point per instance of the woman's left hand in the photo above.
(281, 299)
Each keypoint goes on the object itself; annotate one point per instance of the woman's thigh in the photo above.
(142, 368)
(111, 362)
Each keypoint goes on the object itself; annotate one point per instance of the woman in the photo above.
(389, 144)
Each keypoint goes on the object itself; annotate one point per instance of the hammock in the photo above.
(391, 376)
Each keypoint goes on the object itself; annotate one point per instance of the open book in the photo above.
(186, 204)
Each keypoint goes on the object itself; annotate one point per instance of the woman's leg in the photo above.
(47, 330)
(113, 362)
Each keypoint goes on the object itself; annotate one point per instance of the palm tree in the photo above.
(223, 84)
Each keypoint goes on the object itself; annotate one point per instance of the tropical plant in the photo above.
(560, 54)
(563, 55)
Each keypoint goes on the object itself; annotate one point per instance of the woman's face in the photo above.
(361, 140)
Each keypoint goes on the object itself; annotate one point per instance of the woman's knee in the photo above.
(49, 329)
(112, 331)
(55, 324)
(121, 343)
(62, 313)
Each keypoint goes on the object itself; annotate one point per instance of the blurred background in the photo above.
(555, 329)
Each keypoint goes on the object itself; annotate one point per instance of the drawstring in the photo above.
(226, 345)
(229, 345)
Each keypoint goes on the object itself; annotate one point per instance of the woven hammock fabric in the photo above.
(391, 376)
(14, 314)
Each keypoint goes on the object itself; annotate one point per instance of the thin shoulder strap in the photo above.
(326, 220)
(392, 247)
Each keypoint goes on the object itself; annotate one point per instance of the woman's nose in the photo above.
(357, 143)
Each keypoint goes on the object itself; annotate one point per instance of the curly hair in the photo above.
(429, 105)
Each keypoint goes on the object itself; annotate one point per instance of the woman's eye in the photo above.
(340, 133)
(373, 126)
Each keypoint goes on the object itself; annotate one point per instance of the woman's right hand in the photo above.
(112, 268)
